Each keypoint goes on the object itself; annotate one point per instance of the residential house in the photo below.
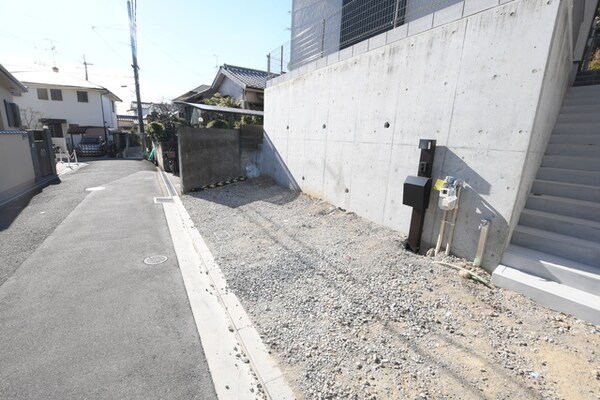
(147, 108)
(244, 85)
(26, 160)
(69, 107)
(497, 84)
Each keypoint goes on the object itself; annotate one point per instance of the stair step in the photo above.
(571, 162)
(575, 139)
(583, 89)
(583, 92)
(589, 178)
(576, 249)
(590, 101)
(586, 81)
(581, 117)
(579, 276)
(580, 109)
(588, 73)
(554, 295)
(561, 224)
(577, 128)
(566, 189)
(564, 206)
(577, 150)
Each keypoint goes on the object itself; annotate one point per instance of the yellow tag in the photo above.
(439, 184)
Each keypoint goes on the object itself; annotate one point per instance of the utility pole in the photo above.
(85, 65)
(131, 9)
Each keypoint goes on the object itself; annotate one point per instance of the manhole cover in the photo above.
(94, 189)
(153, 260)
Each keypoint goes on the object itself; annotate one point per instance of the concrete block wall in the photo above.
(347, 129)
(15, 162)
(208, 156)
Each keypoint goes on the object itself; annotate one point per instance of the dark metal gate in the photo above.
(42, 154)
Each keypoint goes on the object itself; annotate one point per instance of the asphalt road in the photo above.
(81, 314)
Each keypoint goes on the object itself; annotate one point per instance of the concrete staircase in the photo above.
(554, 255)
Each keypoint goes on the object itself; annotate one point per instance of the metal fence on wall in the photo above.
(355, 21)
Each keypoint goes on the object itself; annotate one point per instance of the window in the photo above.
(112, 104)
(13, 114)
(56, 94)
(82, 97)
(42, 94)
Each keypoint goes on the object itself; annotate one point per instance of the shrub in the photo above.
(218, 124)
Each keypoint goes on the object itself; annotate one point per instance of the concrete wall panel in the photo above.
(369, 179)
(474, 85)
(339, 161)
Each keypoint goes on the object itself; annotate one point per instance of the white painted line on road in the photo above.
(95, 189)
(216, 310)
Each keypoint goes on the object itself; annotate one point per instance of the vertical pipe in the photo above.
(440, 238)
(323, 39)
(484, 227)
(281, 66)
(396, 11)
(453, 223)
(269, 64)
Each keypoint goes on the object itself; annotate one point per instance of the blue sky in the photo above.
(179, 41)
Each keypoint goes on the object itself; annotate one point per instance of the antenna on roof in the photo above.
(52, 51)
(216, 61)
(85, 65)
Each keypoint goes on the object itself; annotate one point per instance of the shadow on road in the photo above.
(10, 212)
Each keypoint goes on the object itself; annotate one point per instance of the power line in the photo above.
(169, 55)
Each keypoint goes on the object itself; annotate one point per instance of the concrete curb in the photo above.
(262, 364)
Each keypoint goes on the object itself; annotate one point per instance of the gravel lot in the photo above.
(350, 314)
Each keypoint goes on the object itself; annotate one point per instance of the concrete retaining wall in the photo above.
(474, 85)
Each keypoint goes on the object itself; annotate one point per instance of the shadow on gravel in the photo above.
(10, 212)
(259, 189)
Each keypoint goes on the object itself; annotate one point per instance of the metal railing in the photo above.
(356, 21)
(69, 157)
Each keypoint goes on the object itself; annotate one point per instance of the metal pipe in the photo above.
(396, 10)
(453, 223)
(323, 39)
(440, 238)
(484, 228)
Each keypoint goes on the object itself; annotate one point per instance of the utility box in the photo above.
(416, 192)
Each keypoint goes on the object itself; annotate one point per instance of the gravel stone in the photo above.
(349, 314)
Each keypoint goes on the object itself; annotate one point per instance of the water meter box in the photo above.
(416, 192)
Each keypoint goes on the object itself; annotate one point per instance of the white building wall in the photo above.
(69, 108)
(474, 85)
(232, 89)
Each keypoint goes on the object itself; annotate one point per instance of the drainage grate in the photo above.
(163, 199)
(153, 260)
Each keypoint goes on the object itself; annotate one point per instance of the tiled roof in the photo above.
(202, 90)
(250, 77)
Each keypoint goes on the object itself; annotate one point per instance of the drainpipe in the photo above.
(103, 120)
